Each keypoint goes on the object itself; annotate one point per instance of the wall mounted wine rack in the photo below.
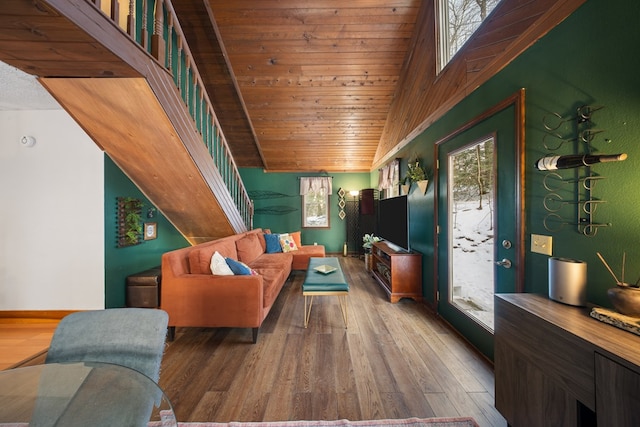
(571, 188)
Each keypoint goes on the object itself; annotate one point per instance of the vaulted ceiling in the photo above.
(323, 85)
(334, 85)
(301, 85)
(297, 85)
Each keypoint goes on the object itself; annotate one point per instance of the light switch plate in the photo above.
(541, 244)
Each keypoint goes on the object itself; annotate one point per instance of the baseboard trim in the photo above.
(32, 316)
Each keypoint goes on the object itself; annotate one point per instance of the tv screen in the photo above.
(393, 221)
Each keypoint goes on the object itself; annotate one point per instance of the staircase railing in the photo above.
(153, 24)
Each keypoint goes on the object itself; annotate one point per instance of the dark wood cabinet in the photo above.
(555, 365)
(398, 272)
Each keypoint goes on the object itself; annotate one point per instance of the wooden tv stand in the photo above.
(398, 272)
(555, 365)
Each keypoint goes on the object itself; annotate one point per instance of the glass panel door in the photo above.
(471, 227)
(480, 238)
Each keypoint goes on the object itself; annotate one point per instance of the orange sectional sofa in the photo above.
(194, 297)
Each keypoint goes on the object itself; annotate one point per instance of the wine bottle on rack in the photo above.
(576, 160)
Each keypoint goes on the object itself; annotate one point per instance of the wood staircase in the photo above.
(153, 122)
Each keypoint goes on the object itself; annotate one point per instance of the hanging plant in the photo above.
(129, 221)
(415, 172)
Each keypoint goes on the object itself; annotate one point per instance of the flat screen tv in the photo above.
(393, 221)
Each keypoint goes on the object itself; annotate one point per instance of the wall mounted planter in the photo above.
(422, 185)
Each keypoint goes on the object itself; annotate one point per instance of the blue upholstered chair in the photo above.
(131, 337)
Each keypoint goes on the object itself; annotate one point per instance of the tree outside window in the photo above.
(315, 193)
(315, 209)
(458, 20)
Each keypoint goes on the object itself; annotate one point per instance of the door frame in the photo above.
(517, 100)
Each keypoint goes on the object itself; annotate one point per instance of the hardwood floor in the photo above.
(394, 361)
(24, 342)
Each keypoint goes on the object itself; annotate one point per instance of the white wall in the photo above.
(51, 214)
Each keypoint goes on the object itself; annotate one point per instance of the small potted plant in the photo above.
(416, 174)
(368, 241)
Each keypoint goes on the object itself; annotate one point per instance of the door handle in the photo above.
(504, 263)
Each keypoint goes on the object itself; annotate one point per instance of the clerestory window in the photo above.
(457, 21)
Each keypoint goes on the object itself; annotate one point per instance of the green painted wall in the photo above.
(121, 262)
(588, 59)
(278, 204)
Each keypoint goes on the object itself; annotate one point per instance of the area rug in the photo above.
(411, 422)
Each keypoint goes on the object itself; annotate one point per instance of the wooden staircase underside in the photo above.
(130, 125)
(127, 103)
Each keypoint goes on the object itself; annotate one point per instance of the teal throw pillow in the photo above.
(238, 268)
(273, 243)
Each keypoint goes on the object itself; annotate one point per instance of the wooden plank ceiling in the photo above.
(315, 79)
(329, 85)
(297, 85)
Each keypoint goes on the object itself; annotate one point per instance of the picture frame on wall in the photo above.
(150, 230)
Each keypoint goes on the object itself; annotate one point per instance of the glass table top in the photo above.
(82, 394)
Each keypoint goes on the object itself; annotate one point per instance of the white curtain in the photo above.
(389, 175)
(321, 184)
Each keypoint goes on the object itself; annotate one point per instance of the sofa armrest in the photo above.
(213, 301)
(302, 255)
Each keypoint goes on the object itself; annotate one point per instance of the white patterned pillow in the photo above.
(287, 243)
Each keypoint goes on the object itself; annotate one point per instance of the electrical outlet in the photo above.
(541, 244)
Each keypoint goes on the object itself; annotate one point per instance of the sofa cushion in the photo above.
(263, 244)
(296, 235)
(248, 248)
(272, 243)
(219, 265)
(238, 268)
(200, 258)
(280, 261)
(287, 243)
(272, 280)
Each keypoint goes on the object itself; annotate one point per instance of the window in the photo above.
(315, 193)
(458, 20)
(389, 179)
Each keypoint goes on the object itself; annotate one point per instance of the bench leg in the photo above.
(343, 307)
(307, 313)
(255, 334)
(342, 299)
